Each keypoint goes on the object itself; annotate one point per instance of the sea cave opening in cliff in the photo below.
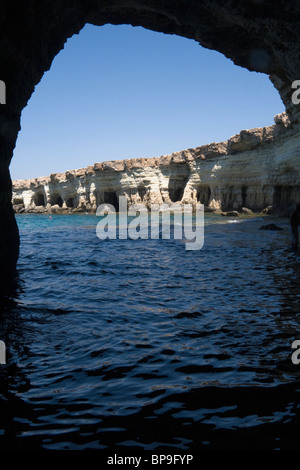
(39, 199)
(56, 199)
(110, 197)
(18, 201)
(70, 202)
(178, 178)
(203, 194)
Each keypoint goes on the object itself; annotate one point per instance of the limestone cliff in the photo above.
(256, 168)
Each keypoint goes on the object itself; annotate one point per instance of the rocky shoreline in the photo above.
(256, 171)
(243, 212)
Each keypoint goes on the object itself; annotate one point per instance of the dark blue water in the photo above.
(142, 345)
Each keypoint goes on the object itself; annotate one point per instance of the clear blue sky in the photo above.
(118, 92)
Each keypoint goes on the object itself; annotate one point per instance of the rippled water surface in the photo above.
(140, 344)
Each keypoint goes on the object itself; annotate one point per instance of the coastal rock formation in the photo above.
(253, 169)
(261, 35)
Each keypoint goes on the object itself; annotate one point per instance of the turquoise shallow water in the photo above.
(142, 345)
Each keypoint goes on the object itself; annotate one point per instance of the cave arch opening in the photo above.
(18, 201)
(39, 199)
(218, 31)
(141, 89)
(110, 197)
(204, 194)
(178, 178)
(70, 202)
(56, 199)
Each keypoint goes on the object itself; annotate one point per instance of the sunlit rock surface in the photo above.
(253, 169)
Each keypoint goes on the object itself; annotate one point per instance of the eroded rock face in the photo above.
(253, 169)
(260, 35)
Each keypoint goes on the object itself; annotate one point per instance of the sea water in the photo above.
(143, 345)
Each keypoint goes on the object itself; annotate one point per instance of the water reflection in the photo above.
(146, 346)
